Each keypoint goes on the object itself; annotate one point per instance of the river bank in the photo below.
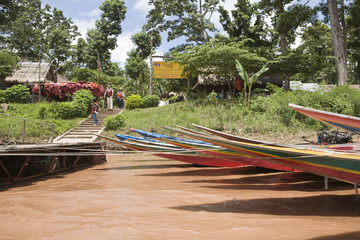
(136, 196)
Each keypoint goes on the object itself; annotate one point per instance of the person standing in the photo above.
(109, 97)
(95, 111)
(120, 96)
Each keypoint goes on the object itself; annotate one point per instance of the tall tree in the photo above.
(9, 11)
(143, 43)
(59, 34)
(137, 69)
(217, 58)
(318, 63)
(34, 31)
(287, 18)
(339, 50)
(103, 37)
(184, 18)
(353, 22)
(246, 22)
(25, 32)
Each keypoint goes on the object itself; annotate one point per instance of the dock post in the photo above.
(326, 183)
(23, 134)
(356, 191)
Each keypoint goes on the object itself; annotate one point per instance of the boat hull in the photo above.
(340, 166)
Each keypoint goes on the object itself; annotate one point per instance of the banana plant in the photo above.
(248, 81)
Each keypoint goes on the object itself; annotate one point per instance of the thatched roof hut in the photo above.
(31, 73)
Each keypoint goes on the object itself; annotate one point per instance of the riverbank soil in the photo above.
(135, 196)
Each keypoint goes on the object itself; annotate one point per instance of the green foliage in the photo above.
(16, 94)
(35, 28)
(7, 63)
(102, 39)
(151, 101)
(268, 115)
(143, 44)
(11, 128)
(134, 101)
(173, 99)
(182, 20)
(114, 122)
(248, 81)
(212, 98)
(79, 107)
(82, 101)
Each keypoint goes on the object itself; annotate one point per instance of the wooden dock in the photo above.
(18, 162)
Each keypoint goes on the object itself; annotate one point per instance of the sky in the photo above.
(84, 13)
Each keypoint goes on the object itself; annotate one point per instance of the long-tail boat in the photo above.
(344, 147)
(327, 163)
(174, 153)
(343, 121)
(215, 151)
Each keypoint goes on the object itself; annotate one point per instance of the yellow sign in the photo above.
(168, 70)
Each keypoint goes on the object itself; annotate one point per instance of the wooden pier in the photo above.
(19, 162)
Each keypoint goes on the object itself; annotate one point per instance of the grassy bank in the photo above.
(267, 118)
(11, 128)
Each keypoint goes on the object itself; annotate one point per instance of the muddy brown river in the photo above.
(145, 197)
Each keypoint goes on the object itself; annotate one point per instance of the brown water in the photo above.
(143, 197)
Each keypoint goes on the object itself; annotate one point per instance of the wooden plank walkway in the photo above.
(81, 132)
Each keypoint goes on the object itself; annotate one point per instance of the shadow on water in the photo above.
(23, 182)
(157, 166)
(324, 205)
(343, 236)
(281, 181)
(212, 171)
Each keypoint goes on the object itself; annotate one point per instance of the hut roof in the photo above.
(28, 73)
(212, 80)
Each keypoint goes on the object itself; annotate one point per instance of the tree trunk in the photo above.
(283, 43)
(287, 83)
(339, 50)
(344, 28)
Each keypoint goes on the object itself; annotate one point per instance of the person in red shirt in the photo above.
(94, 111)
(109, 97)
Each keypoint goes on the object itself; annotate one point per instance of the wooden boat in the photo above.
(345, 147)
(174, 153)
(341, 166)
(216, 151)
(343, 121)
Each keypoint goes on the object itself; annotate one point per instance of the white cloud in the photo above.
(125, 44)
(93, 13)
(142, 6)
(84, 25)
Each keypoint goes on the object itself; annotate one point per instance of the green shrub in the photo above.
(134, 101)
(173, 99)
(114, 122)
(82, 101)
(2, 96)
(151, 101)
(79, 107)
(57, 110)
(15, 94)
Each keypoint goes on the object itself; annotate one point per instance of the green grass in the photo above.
(267, 118)
(35, 132)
